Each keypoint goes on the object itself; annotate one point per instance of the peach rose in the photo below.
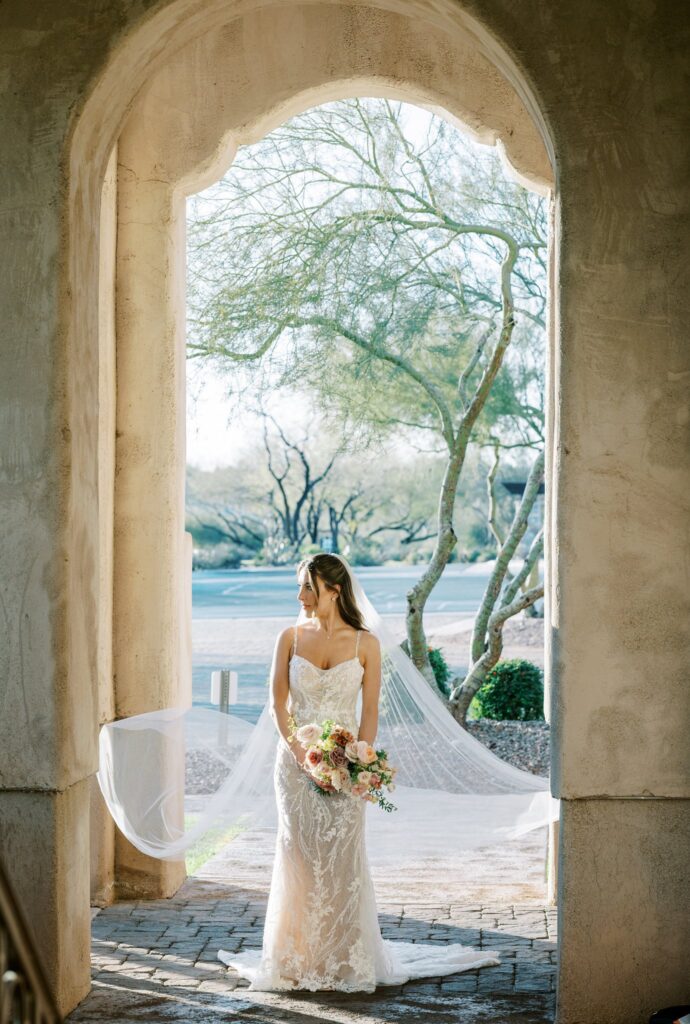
(313, 757)
(364, 779)
(375, 781)
(365, 752)
(342, 737)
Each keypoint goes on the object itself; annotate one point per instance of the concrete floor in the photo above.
(156, 960)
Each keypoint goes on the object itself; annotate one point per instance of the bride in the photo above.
(321, 929)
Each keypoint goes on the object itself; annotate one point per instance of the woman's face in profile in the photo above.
(307, 597)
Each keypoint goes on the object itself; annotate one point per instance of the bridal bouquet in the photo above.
(335, 758)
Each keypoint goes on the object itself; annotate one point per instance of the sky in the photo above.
(212, 441)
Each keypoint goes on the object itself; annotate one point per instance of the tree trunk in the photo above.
(334, 524)
(445, 542)
(462, 697)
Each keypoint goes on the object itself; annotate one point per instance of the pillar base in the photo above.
(44, 846)
(139, 877)
(623, 922)
(102, 849)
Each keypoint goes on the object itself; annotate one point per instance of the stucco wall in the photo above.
(609, 92)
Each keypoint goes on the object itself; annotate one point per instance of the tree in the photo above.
(225, 514)
(504, 597)
(295, 498)
(388, 271)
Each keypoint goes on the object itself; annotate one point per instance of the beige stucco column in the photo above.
(620, 615)
(151, 669)
(102, 826)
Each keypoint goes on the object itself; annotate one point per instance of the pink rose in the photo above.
(375, 781)
(365, 752)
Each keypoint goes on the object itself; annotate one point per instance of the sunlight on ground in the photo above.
(209, 845)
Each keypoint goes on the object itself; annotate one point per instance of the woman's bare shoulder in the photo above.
(369, 643)
(285, 637)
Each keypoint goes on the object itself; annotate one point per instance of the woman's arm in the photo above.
(371, 687)
(280, 690)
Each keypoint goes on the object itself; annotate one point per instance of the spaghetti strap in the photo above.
(357, 643)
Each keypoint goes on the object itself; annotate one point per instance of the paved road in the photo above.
(251, 593)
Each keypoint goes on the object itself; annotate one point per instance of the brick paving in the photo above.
(156, 960)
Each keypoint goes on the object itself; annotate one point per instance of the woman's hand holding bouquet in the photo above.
(336, 762)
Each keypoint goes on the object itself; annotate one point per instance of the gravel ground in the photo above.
(525, 745)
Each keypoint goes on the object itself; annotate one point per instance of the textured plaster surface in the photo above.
(234, 84)
(623, 921)
(44, 848)
(609, 92)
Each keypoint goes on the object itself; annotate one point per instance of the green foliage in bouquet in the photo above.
(513, 691)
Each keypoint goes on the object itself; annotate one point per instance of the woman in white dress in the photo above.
(322, 929)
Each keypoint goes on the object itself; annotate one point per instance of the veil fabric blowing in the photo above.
(452, 793)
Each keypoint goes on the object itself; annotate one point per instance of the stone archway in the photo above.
(620, 759)
(225, 88)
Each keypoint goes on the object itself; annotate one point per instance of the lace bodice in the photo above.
(317, 693)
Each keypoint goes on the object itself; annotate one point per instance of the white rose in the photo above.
(307, 734)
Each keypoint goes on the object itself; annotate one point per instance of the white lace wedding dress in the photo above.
(322, 929)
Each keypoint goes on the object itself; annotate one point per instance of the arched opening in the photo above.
(246, 589)
(173, 142)
(440, 62)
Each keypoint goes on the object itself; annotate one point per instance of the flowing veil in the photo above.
(170, 777)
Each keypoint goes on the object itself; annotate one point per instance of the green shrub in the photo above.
(442, 673)
(513, 690)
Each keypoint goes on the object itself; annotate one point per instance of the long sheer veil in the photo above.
(170, 777)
